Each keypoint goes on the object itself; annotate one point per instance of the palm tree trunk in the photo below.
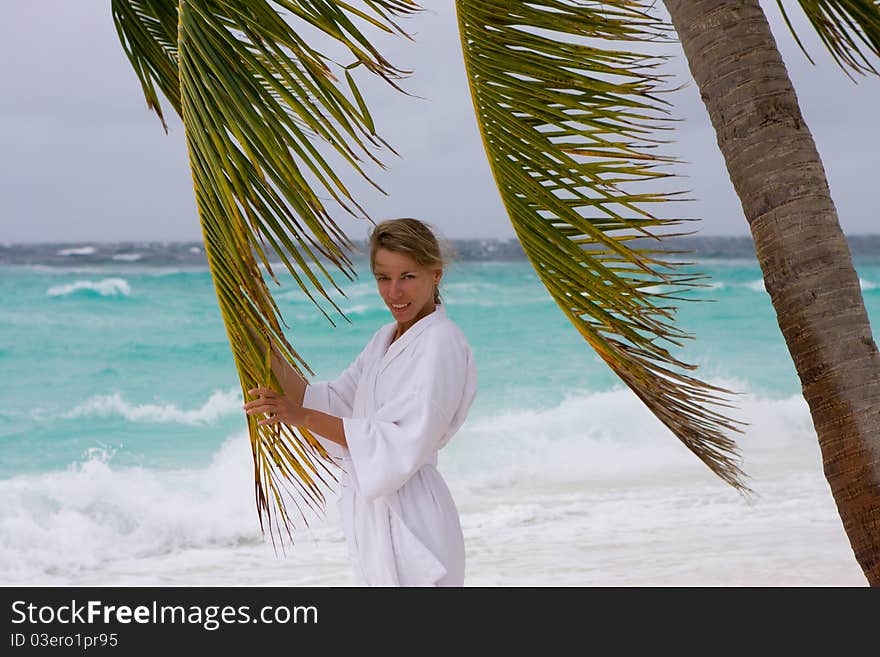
(808, 271)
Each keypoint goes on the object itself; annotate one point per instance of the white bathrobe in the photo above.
(399, 405)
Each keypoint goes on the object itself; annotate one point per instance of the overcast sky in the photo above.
(81, 158)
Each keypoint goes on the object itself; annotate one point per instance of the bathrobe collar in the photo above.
(410, 334)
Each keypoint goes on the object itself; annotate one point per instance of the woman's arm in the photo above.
(293, 385)
(281, 408)
(328, 401)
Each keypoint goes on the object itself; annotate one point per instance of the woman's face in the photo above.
(406, 287)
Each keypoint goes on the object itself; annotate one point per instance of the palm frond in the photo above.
(850, 29)
(148, 32)
(567, 121)
(264, 114)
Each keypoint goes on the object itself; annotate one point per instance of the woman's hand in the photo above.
(279, 408)
(282, 409)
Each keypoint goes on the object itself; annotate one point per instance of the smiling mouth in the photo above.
(400, 306)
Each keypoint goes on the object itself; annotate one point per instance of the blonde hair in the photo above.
(414, 238)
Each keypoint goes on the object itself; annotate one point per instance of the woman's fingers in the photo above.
(264, 399)
(261, 406)
(262, 409)
(268, 401)
(266, 396)
(258, 403)
(271, 403)
(262, 391)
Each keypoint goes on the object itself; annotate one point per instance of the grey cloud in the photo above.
(81, 158)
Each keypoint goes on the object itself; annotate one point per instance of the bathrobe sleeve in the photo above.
(390, 445)
(336, 398)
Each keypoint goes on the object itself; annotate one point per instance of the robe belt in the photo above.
(348, 465)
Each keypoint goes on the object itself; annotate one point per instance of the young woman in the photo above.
(388, 415)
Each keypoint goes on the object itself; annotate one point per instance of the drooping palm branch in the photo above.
(568, 112)
(258, 105)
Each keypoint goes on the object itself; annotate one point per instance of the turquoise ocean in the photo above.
(125, 458)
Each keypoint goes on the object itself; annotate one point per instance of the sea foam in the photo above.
(82, 250)
(593, 438)
(219, 404)
(561, 474)
(106, 288)
(56, 525)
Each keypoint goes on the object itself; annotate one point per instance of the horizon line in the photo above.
(11, 243)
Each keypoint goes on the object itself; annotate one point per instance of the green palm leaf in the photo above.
(148, 32)
(565, 121)
(848, 28)
(264, 117)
